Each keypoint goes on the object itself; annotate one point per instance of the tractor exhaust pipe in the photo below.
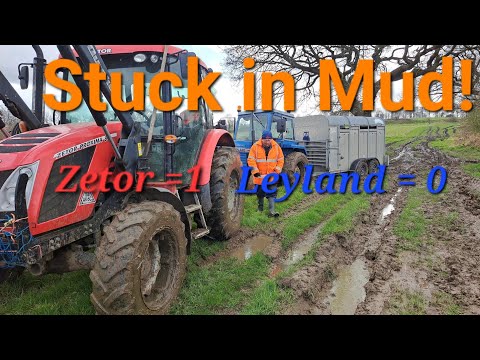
(39, 85)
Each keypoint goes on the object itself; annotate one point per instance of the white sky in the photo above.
(228, 95)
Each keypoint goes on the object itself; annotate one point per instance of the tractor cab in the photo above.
(250, 125)
(187, 127)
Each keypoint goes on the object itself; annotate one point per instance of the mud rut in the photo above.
(368, 257)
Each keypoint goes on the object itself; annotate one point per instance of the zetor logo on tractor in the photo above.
(141, 239)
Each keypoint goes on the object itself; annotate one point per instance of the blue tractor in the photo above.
(249, 127)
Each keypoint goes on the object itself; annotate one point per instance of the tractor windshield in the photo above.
(244, 130)
(188, 126)
(127, 66)
(245, 123)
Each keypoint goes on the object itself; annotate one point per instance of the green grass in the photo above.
(467, 152)
(47, 295)
(343, 220)
(411, 224)
(267, 299)
(405, 302)
(314, 215)
(472, 169)
(447, 222)
(202, 249)
(255, 219)
(450, 147)
(473, 121)
(220, 287)
(446, 303)
(399, 131)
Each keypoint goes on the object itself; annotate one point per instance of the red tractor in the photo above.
(141, 239)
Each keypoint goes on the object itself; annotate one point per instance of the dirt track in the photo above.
(368, 271)
(375, 277)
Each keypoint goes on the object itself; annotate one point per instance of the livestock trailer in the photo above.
(342, 143)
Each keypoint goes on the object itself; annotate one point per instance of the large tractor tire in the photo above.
(140, 261)
(225, 216)
(10, 274)
(295, 163)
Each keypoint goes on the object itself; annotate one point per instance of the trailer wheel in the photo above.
(225, 216)
(295, 163)
(10, 274)
(140, 261)
(361, 168)
(373, 166)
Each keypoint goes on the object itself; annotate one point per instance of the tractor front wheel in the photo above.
(140, 261)
(295, 163)
(225, 216)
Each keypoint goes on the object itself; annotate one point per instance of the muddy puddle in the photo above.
(298, 251)
(387, 210)
(301, 249)
(400, 155)
(348, 290)
(251, 247)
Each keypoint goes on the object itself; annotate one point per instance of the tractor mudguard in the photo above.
(213, 138)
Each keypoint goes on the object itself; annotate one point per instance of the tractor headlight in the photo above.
(139, 58)
(7, 192)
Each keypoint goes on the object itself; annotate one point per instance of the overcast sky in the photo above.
(228, 95)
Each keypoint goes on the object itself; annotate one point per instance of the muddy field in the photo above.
(405, 251)
(383, 266)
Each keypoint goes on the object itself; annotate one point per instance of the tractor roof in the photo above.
(129, 49)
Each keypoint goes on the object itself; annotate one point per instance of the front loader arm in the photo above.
(16, 105)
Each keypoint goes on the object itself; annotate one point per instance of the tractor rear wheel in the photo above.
(295, 163)
(225, 216)
(140, 261)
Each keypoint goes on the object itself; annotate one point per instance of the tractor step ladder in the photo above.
(197, 209)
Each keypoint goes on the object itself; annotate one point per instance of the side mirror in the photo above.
(183, 57)
(23, 74)
(281, 126)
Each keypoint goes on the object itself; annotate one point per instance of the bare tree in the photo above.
(303, 63)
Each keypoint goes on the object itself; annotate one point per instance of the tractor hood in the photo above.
(52, 142)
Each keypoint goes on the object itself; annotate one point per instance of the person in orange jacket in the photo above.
(266, 157)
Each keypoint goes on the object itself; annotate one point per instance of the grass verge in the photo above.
(220, 287)
(52, 294)
(410, 226)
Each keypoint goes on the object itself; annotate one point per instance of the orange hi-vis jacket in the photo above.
(258, 160)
